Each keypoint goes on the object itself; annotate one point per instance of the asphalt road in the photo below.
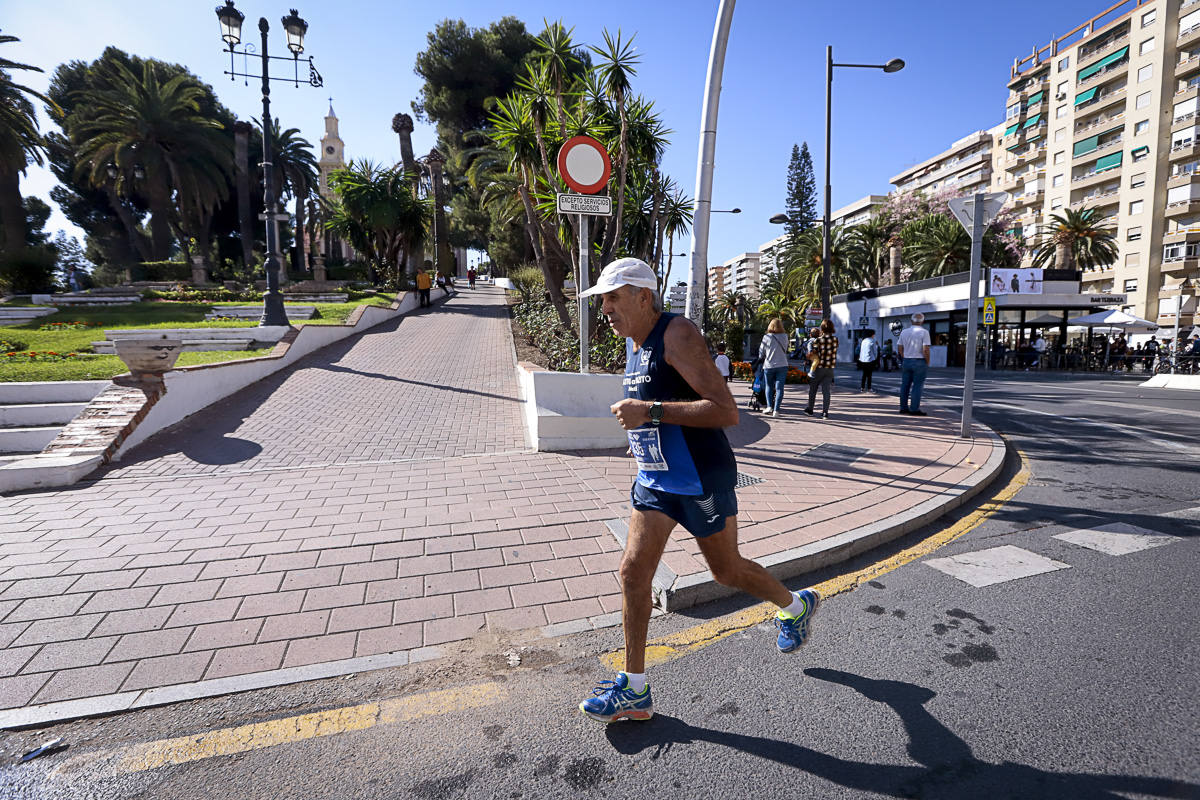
(1080, 682)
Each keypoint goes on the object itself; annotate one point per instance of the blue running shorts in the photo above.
(701, 514)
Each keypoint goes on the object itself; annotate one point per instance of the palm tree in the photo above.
(869, 242)
(375, 211)
(142, 126)
(936, 245)
(787, 310)
(617, 61)
(1074, 240)
(556, 50)
(296, 175)
(20, 143)
(728, 305)
(800, 265)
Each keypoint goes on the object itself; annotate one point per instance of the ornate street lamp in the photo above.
(231, 33)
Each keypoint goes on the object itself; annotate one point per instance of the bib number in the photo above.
(646, 447)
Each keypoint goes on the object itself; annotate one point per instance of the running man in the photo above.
(675, 405)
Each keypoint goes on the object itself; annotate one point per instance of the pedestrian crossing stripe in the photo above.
(1117, 539)
(995, 565)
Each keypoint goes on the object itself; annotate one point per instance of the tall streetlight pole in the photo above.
(231, 32)
(895, 65)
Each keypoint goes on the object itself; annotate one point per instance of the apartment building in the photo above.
(677, 296)
(966, 166)
(739, 274)
(718, 281)
(1105, 117)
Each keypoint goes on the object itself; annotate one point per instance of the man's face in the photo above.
(624, 307)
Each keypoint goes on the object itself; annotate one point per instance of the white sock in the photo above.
(796, 608)
(637, 681)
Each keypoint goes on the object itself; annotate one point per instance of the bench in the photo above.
(255, 312)
(199, 339)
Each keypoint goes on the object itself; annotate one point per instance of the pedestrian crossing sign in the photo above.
(989, 311)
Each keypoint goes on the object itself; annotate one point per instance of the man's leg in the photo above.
(918, 383)
(648, 533)
(813, 381)
(730, 568)
(906, 381)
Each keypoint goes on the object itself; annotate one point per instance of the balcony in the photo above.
(1034, 198)
(1088, 275)
(1186, 93)
(1180, 264)
(1187, 66)
(1102, 101)
(1182, 208)
(1183, 179)
(1031, 155)
(1099, 199)
(1120, 66)
(1183, 121)
(1094, 178)
(1188, 37)
(1086, 53)
(1182, 235)
(1082, 129)
(1028, 87)
(1188, 149)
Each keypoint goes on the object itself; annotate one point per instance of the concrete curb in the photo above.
(674, 593)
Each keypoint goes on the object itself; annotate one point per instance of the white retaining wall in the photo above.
(1167, 381)
(570, 411)
(50, 391)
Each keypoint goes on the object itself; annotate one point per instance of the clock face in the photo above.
(329, 149)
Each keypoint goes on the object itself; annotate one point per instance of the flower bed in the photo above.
(742, 371)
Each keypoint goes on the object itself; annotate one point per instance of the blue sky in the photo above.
(958, 58)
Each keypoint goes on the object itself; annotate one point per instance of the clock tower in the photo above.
(331, 151)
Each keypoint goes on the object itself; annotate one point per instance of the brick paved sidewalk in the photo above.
(182, 567)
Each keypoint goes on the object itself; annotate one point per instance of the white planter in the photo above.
(148, 355)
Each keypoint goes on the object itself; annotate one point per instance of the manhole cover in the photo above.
(744, 480)
(837, 453)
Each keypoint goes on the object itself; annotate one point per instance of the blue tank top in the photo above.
(673, 458)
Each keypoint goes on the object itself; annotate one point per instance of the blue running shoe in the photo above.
(793, 631)
(614, 700)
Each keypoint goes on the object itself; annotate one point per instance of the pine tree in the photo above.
(801, 191)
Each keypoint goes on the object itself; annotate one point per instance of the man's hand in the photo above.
(631, 413)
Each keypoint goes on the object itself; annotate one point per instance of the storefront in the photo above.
(1020, 317)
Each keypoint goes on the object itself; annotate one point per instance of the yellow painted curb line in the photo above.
(259, 735)
(678, 644)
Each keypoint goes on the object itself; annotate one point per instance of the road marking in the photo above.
(995, 565)
(1184, 513)
(259, 735)
(676, 645)
(1117, 539)
(1108, 426)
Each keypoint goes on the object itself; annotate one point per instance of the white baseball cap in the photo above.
(623, 272)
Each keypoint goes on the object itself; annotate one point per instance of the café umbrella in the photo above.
(1111, 320)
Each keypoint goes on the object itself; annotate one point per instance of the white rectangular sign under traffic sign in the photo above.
(596, 205)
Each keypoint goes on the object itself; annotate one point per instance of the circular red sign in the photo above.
(584, 164)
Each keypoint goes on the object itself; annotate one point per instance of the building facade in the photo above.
(677, 297)
(1105, 117)
(332, 158)
(966, 166)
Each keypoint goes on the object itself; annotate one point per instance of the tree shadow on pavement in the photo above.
(948, 768)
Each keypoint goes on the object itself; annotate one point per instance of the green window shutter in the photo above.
(1035, 99)
(1034, 120)
(1083, 97)
(1016, 146)
(1033, 137)
(1011, 129)
(1087, 145)
(1108, 162)
(1114, 57)
(1137, 151)
(1084, 74)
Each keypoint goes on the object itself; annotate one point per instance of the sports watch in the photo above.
(656, 413)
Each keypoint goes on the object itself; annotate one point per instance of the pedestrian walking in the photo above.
(674, 408)
(868, 359)
(824, 359)
(722, 361)
(773, 352)
(1151, 353)
(1039, 350)
(888, 356)
(424, 284)
(471, 278)
(913, 347)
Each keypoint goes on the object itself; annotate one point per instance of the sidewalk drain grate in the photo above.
(837, 453)
(744, 480)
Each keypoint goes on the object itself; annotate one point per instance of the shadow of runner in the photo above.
(948, 767)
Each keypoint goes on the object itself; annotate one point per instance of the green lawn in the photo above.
(158, 314)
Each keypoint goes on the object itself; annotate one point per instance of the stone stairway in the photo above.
(32, 414)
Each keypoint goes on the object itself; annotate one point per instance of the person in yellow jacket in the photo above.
(424, 284)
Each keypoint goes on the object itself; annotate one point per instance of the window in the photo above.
(1137, 181)
(1056, 204)
(1142, 101)
(1140, 153)
(1062, 88)
(1059, 157)
(1056, 181)
(1146, 46)
(1145, 73)
(1149, 17)
(1013, 111)
(1060, 112)
(1060, 134)
(1141, 127)
(1135, 207)
(1133, 259)
(1131, 285)
(1133, 234)
(1064, 63)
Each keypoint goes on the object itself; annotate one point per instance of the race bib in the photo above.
(646, 447)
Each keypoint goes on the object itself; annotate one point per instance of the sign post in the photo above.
(974, 214)
(584, 165)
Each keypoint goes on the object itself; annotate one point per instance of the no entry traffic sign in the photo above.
(584, 164)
